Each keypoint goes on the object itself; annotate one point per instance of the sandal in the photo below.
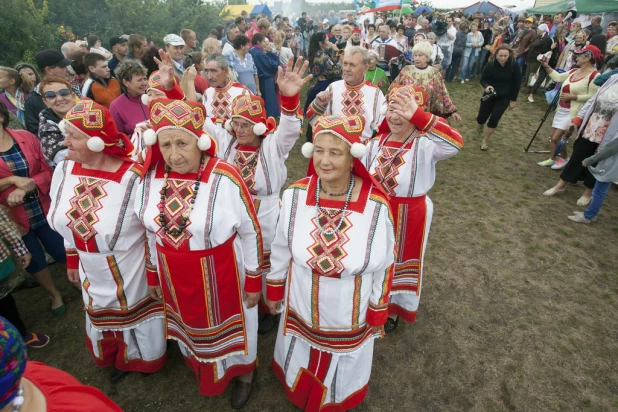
(391, 324)
(36, 340)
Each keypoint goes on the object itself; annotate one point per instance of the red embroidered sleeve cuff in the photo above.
(577, 121)
(377, 315)
(176, 93)
(290, 104)
(72, 259)
(253, 281)
(152, 277)
(275, 289)
(422, 120)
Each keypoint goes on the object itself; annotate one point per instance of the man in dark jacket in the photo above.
(595, 26)
(540, 45)
(51, 63)
(523, 42)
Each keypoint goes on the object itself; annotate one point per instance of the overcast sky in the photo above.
(443, 4)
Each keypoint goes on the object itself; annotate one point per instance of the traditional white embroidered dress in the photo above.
(105, 240)
(334, 287)
(218, 102)
(364, 100)
(262, 168)
(204, 269)
(407, 173)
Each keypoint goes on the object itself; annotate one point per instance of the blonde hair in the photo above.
(423, 48)
(210, 46)
(347, 27)
(279, 37)
(22, 81)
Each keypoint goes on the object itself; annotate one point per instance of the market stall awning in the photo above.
(231, 12)
(583, 6)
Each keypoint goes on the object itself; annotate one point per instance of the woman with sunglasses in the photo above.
(25, 180)
(59, 99)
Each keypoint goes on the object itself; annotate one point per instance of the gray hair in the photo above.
(230, 28)
(423, 48)
(220, 59)
(431, 34)
(358, 50)
(128, 68)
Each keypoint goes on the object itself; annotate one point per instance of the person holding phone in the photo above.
(501, 81)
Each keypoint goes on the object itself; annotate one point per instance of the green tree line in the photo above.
(28, 26)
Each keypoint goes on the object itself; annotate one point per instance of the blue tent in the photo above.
(261, 8)
(481, 7)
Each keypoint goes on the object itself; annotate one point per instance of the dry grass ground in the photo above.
(518, 310)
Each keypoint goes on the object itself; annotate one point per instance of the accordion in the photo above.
(386, 52)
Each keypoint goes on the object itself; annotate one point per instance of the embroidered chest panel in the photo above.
(221, 105)
(246, 162)
(327, 251)
(84, 207)
(352, 101)
(177, 197)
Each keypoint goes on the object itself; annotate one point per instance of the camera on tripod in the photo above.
(488, 96)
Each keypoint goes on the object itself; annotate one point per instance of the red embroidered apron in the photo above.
(409, 215)
(203, 300)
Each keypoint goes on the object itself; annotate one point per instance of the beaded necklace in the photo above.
(331, 231)
(18, 401)
(185, 216)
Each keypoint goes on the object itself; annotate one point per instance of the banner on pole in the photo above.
(370, 6)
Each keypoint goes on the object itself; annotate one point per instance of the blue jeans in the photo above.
(467, 66)
(481, 61)
(52, 242)
(452, 68)
(598, 196)
(446, 61)
(521, 60)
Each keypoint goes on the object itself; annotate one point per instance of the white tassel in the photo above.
(145, 99)
(95, 144)
(358, 150)
(259, 129)
(62, 126)
(204, 143)
(150, 137)
(307, 150)
(228, 125)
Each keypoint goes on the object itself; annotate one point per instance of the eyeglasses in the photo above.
(54, 95)
(240, 126)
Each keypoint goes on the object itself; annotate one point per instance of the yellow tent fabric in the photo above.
(234, 11)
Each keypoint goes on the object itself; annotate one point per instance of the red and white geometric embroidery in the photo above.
(177, 202)
(84, 207)
(353, 102)
(221, 105)
(246, 161)
(327, 251)
(388, 168)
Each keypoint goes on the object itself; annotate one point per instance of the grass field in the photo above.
(518, 311)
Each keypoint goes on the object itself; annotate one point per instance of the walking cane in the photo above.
(550, 109)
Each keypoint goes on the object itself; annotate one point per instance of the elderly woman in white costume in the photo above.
(205, 252)
(92, 194)
(332, 263)
(259, 149)
(402, 158)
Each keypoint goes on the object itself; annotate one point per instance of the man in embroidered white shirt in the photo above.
(174, 46)
(352, 95)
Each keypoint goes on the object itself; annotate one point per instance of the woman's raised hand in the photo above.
(166, 69)
(403, 104)
(293, 81)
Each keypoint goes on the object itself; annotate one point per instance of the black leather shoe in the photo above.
(117, 375)
(391, 324)
(242, 391)
(267, 323)
(28, 283)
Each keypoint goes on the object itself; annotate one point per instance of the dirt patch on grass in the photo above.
(518, 311)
